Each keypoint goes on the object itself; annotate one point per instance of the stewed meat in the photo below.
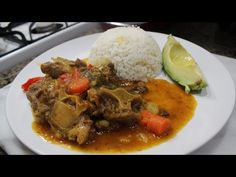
(116, 105)
(73, 108)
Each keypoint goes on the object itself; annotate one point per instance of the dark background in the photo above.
(216, 37)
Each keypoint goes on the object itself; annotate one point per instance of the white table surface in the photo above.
(223, 143)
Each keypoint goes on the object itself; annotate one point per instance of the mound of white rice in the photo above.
(134, 53)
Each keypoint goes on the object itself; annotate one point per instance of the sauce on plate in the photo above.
(168, 96)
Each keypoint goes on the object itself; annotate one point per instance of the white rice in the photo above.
(134, 53)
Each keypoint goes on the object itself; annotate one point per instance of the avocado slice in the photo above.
(181, 66)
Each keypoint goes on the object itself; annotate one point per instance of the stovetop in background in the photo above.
(38, 41)
(218, 38)
(15, 35)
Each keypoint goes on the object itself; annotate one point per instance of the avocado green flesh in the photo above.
(180, 57)
(181, 66)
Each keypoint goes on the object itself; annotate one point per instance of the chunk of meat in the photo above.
(163, 113)
(42, 96)
(82, 131)
(124, 116)
(102, 124)
(63, 116)
(69, 120)
(110, 76)
(96, 77)
(52, 69)
(66, 112)
(80, 64)
(116, 105)
(57, 68)
(110, 101)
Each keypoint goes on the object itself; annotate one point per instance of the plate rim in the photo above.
(136, 152)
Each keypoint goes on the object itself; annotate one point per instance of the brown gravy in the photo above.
(169, 96)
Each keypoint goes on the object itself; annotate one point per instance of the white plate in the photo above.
(215, 103)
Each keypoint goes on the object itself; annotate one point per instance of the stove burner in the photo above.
(16, 35)
(11, 41)
(44, 27)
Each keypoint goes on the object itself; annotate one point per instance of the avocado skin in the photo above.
(196, 85)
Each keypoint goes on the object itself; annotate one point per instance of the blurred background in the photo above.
(217, 37)
(20, 42)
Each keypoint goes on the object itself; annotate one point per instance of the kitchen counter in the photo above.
(8, 76)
